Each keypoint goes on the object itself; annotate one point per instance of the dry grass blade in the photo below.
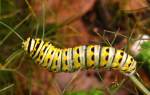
(12, 57)
(17, 26)
(70, 82)
(30, 8)
(9, 15)
(11, 29)
(8, 87)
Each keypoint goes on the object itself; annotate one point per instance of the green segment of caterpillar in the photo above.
(80, 57)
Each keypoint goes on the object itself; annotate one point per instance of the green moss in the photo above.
(90, 92)
(144, 55)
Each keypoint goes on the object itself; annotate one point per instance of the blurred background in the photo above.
(123, 24)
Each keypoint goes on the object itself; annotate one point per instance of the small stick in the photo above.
(139, 85)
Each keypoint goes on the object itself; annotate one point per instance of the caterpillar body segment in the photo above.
(80, 57)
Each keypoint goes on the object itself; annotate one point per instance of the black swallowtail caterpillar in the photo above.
(80, 57)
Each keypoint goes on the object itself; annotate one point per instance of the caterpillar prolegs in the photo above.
(80, 57)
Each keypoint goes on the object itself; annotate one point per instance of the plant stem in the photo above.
(139, 85)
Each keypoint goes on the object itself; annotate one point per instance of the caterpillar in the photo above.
(79, 57)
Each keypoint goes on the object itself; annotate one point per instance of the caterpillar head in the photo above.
(28, 45)
(129, 67)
